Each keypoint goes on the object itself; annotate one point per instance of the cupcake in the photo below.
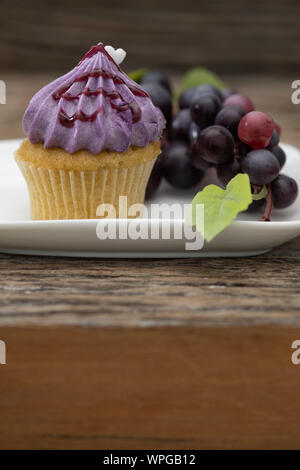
(93, 135)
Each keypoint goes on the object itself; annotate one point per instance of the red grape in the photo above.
(241, 101)
(226, 92)
(256, 129)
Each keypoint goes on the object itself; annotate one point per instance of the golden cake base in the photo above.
(73, 186)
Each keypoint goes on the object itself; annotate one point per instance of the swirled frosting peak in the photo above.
(94, 107)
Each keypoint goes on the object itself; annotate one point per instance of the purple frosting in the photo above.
(95, 106)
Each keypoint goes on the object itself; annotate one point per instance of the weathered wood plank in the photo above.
(125, 293)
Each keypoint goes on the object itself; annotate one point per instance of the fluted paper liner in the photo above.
(73, 194)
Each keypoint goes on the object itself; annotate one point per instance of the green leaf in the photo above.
(221, 206)
(137, 74)
(199, 76)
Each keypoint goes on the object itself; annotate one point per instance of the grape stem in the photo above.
(266, 217)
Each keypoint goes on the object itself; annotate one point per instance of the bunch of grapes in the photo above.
(218, 132)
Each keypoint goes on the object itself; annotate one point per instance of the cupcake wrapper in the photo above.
(64, 194)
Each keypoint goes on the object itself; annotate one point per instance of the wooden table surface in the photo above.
(151, 353)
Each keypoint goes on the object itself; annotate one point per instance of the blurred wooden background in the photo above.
(229, 36)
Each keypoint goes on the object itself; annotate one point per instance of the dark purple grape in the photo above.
(196, 157)
(210, 177)
(279, 154)
(208, 89)
(256, 206)
(230, 117)
(227, 171)
(186, 98)
(154, 76)
(284, 191)
(177, 167)
(216, 145)
(243, 149)
(161, 98)
(180, 126)
(278, 128)
(194, 132)
(155, 177)
(204, 109)
(226, 92)
(261, 166)
(274, 139)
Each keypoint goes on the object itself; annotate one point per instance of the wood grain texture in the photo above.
(127, 293)
(180, 388)
(236, 35)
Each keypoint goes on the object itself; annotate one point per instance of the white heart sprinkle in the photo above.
(117, 54)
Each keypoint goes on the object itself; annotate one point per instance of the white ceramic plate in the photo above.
(18, 234)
